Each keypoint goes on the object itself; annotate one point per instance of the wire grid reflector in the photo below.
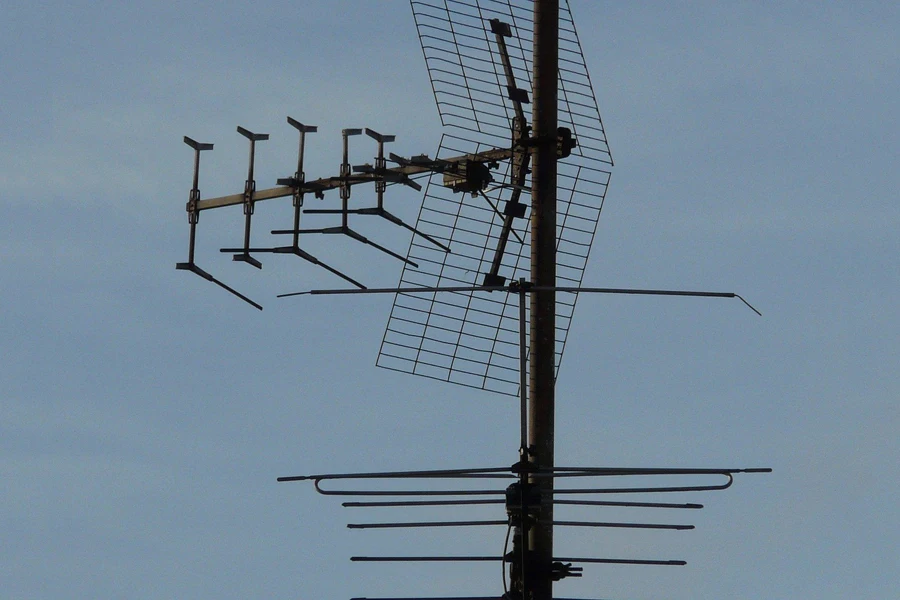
(472, 338)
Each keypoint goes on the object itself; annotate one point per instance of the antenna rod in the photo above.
(543, 274)
(523, 374)
(517, 288)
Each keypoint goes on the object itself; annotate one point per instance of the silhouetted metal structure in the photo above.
(490, 281)
(530, 495)
(480, 61)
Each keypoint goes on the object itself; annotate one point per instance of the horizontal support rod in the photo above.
(661, 293)
(649, 490)
(400, 474)
(628, 504)
(585, 491)
(409, 493)
(465, 598)
(235, 199)
(608, 525)
(623, 561)
(398, 503)
(426, 524)
(441, 598)
(564, 491)
(610, 503)
(332, 183)
(401, 290)
(557, 471)
(426, 558)
(501, 473)
(628, 471)
(515, 289)
(608, 561)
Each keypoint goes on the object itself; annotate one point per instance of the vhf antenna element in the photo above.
(489, 282)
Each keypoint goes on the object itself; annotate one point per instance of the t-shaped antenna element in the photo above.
(301, 127)
(193, 213)
(380, 138)
(249, 190)
(299, 177)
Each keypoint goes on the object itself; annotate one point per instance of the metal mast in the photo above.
(541, 407)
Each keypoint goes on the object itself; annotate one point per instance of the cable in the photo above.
(503, 566)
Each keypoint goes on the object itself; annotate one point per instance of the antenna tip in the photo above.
(293, 478)
(750, 306)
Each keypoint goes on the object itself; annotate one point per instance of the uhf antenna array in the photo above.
(492, 273)
(296, 187)
(479, 59)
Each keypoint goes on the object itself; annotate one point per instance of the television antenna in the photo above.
(489, 282)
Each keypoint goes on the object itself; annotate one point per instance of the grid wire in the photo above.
(472, 338)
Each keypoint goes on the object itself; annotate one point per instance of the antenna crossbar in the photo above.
(608, 561)
(514, 288)
(320, 186)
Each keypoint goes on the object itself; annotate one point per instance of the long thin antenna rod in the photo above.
(515, 289)
(608, 561)
(523, 373)
(399, 503)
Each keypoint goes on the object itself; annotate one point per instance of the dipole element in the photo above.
(543, 274)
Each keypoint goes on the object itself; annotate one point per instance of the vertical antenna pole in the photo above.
(543, 275)
(523, 372)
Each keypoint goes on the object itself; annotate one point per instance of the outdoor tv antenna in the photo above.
(477, 302)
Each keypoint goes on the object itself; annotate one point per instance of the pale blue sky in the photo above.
(144, 414)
